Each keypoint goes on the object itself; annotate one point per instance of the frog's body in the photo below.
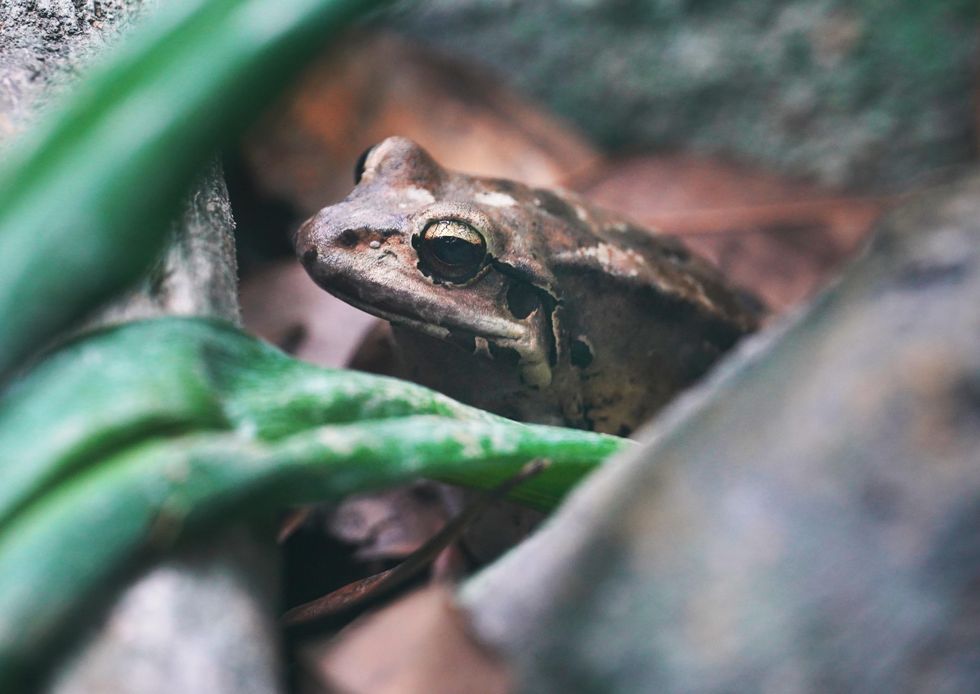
(527, 302)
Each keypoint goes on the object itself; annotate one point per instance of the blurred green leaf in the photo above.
(84, 206)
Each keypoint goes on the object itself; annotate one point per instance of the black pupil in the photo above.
(456, 251)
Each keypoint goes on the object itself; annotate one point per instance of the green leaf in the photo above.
(121, 442)
(85, 206)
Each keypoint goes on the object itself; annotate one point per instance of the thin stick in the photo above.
(371, 587)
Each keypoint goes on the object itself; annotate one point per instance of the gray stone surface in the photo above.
(44, 45)
(197, 275)
(188, 625)
(867, 93)
(806, 521)
(201, 622)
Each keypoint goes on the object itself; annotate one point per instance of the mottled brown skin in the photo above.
(574, 315)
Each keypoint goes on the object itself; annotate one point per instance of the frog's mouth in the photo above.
(495, 331)
(529, 339)
(397, 317)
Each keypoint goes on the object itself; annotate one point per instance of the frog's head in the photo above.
(451, 256)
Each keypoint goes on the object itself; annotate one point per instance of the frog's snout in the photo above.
(313, 253)
(309, 257)
(303, 241)
(317, 242)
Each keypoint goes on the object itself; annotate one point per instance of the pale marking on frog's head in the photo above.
(417, 195)
(494, 198)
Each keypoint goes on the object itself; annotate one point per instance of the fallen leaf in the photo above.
(377, 85)
(281, 304)
(421, 643)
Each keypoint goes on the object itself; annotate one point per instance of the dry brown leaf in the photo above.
(390, 524)
(421, 643)
(282, 305)
(377, 85)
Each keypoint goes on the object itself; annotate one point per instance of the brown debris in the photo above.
(377, 85)
(421, 643)
(281, 305)
(390, 524)
(371, 587)
(778, 238)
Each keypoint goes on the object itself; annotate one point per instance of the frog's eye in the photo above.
(450, 250)
(359, 166)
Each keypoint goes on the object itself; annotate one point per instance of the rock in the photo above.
(864, 93)
(45, 45)
(804, 521)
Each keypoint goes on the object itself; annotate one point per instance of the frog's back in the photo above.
(638, 315)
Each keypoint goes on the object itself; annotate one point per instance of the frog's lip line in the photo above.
(414, 323)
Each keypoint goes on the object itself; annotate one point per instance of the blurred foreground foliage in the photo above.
(120, 442)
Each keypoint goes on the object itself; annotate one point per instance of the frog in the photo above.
(524, 301)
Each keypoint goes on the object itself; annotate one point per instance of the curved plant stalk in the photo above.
(85, 206)
(149, 378)
(59, 546)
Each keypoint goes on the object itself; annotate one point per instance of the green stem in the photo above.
(84, 208)
(58, 551)
(172, 375)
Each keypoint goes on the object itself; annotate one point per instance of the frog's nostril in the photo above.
(347, 238)
(309, 256)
